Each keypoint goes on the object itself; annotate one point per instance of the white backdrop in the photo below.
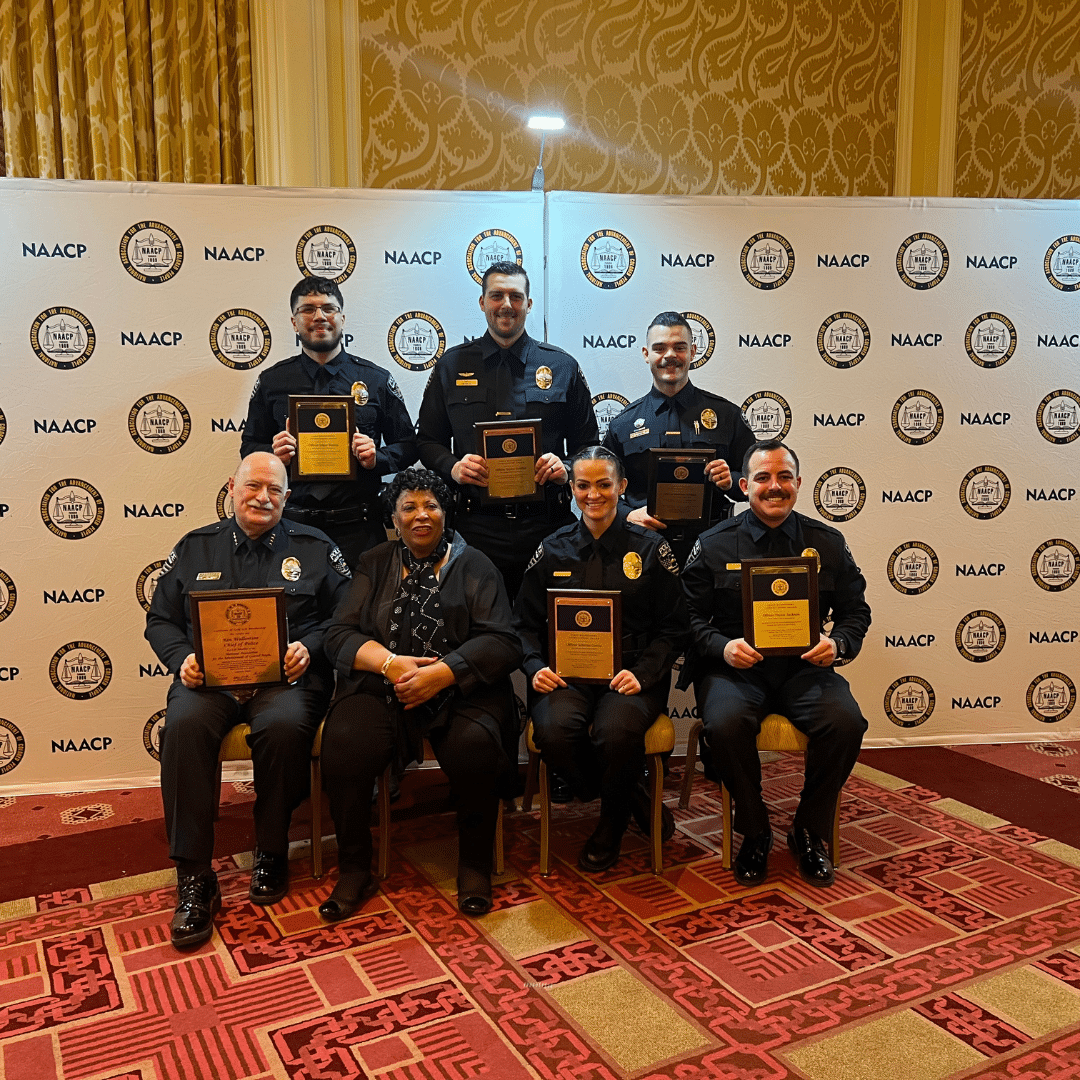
(127, 367)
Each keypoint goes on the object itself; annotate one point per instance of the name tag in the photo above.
(642, 431)
(734, 566)
(468, 382)
(208, 575)
(561, 573)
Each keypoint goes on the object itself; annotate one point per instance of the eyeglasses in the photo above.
(309, 311)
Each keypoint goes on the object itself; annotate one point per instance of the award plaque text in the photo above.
(780, 605)
(240, 637)
(585, 634)
(511, 448)
(678, 488)
(323, 427)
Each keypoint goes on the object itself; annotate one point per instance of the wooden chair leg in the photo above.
(499, 854)
(693, 746)
(725, 810)
(217, 798)
(656, 806)
(316, 818)
(545, 820)
(384, 823)
(531, 782)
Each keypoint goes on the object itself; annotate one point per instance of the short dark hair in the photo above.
(670, 318)
(315, 286)
(509, 269)
(764, 447)
(598, 453)
(414, 479)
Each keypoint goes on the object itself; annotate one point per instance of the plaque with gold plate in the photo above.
(240, 637)
(510, 448)
(323, 427)
(780, 605)
(585, 634)
(678, 487)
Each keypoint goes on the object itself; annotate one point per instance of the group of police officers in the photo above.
(306, 539)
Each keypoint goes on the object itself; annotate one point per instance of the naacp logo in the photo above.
(151, 252)
(909, 701)
(8, 596)
(922, 261)
(80, 670)
(985, 492)
(491, 246)
(702, 336)
(1050, 697)
(767, 260)
(767, 414)
(326, 251)
(146, 586)
(416, 340)
(63, 338)
(72, 509)
(240, 339)
(151, 734)
(237, 614)
(913, 568)
(608, 260)
(3, 425)
(607, 406)
(1058, 416)
(843, 339)
(159, 423)
(917, 417)
(1061, 264)
(990, 340)
(839, 494)
(224, 503)
(583, 618)
(12, 746)
(1055, 565)
(980, 636)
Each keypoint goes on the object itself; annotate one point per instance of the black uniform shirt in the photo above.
(382, 416)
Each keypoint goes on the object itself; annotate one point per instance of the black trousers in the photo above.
(595, 737)
(283, 722)
(358, 743)
(817, 701)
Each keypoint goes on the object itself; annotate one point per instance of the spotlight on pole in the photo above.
(543, 124)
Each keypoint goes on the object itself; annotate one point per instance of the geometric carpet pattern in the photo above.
(948, 947)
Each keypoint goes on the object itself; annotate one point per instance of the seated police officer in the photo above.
(736, 687)
(253, 549)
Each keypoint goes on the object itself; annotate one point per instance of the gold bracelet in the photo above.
(391, 657)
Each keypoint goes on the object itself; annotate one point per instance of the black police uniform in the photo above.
(479, 381)
(733, 701)
(283, 719)
(607, 760)
(691, 418)
(347, 511)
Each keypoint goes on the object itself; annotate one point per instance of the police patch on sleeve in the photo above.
(584, 381)
(537, 557)
(667, 557)
(394, 389)
(170, 562)
(337, 561)
(255, 388)
(695, 551)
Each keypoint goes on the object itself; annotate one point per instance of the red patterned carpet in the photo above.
(949, 947)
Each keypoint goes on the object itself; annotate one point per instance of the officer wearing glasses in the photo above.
(348, 511)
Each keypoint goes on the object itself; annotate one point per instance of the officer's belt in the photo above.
(345, 515)
(512, 510)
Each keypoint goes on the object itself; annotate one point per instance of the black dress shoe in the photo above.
(198, 900)
(559, 790)
(269, 879)
(812, 856)
(752, 863)
(641, 805)
(601, 850)
(350, 893)
(474, 891)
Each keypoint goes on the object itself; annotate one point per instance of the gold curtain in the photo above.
(127, 90)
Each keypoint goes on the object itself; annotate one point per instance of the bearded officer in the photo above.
(253, 549)
(348, 511)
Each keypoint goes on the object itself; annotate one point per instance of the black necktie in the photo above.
(776, 544)
(672, 433)
(594, 568)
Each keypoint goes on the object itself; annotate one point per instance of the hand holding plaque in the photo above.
(510, 448)
(323, 428)
(585, 634)
(679, 490)
(780, 605)
(240, 637)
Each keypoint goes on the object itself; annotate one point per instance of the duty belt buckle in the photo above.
(510, 511)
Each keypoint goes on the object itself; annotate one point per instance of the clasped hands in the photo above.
(417, 679)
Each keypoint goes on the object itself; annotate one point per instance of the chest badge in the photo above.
(290, 569)
(360, 393)
(543, 378)
(639, 422)
(812, 553)
(708, 418)
(631, 565)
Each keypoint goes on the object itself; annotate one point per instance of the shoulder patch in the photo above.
(584, 381)
(667, 557)
(393, 388)
(337, 561)
(537, 557)
(255, 388)
(695, 552)
(170, 562)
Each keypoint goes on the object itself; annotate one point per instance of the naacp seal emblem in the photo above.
(1050, 697)
(913, 568)
(488, 247)
(240, 339)
(72, 509)
(223, 504)
(843, 339)
(922, 261)
(1058, 416)
(767, 260)
(159, 423)
(1061, 263)
(238, 614)
(583, 618)
(3, 425)
(607, 406)
(767, 415)
(909, 701)
(416, 340)
(702, 336)
(917, 417)
(146, 586)
(12, 746)
(8, 596)
(63, 338)
(839, 494)
(151, 734)
(985, 492)
(980, 636)
(1055, 565)
(151, 252)
(990, 339)
(80, 670)
(608, 260)
(326, 251)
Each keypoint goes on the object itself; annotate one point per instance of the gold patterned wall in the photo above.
(1018, 134)
(773, 97)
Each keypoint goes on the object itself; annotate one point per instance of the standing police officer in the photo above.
(505, 375)
(347, 511)
(675, 413)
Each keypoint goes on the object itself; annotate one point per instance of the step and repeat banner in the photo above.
(922, 359)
